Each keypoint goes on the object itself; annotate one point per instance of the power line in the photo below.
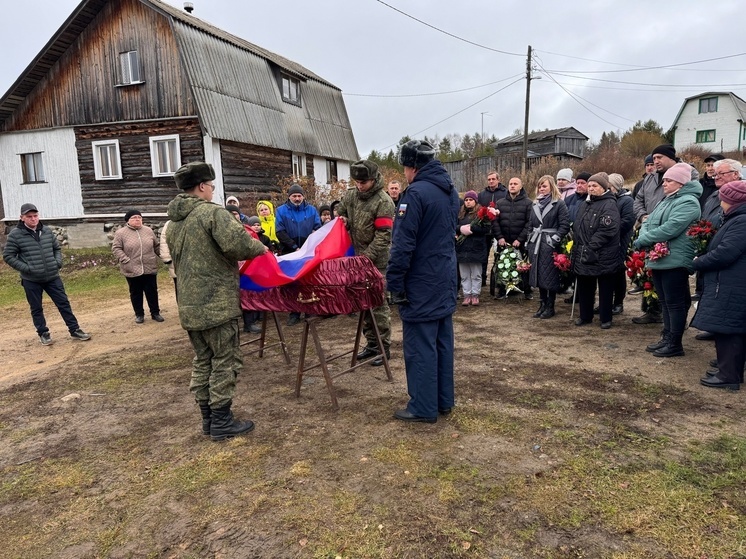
(699, 89)
(439, 30)
(429, 94)
(456, 113)
(710, 86)
(637, 68)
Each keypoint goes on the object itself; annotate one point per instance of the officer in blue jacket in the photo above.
(422, 279)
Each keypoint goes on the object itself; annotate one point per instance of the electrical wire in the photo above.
(430, 94)
(710, 86)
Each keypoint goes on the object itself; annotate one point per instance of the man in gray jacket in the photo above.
(33, 250)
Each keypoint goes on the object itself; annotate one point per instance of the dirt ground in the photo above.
(134, 478)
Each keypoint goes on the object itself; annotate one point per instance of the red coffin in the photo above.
(337, 286)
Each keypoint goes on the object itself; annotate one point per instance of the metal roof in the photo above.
(542, 135)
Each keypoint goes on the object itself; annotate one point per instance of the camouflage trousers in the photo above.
(216, 363)
(383, 319)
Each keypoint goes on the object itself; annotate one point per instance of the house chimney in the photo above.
(188, 7)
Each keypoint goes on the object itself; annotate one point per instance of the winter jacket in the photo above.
(370, 217)
(486, 196)
(595, 249)
(136, 250)
(708, 188)
(546, 230)
(294, 224)
(472, 249)
(625, 205)
(649, 195)
(712, 211)
(423, 253)
(722, 308)
(568, 190)
(668, 223)
(573, 203)
(206, 242)
(268, 222)
(165, 254)
(512, 223)
(35, 254)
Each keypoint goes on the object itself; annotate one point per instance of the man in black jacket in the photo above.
(511, 227)
(33, 250)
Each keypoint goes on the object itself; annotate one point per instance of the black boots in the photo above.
(204, 407)
(655, 346)
(224, 426)
(543, 306)
(548, 309)
(672, 349)
(378, 362)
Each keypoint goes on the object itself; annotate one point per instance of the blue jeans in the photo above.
(56, 291)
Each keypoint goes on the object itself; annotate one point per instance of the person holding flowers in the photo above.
(549, 223)
(511, 227)
(474, 223)
(664, 231)
(595, 252)
(722, 309)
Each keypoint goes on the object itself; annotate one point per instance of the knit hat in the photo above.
(363, 170)
(733, 193)
(416, 154)
(254, 220)
(564, 174)
(130, 213)
(471, 194)
(649, 159)
(617, 181)
(190, 175)
(583, 177)
(296, 189)
(26, 208)
(233, 208)
(232, 200)
(665, 149)
(325, 208)
(681, 173)
(602, 179)
(714, 157)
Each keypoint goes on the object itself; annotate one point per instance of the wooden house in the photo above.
(713, 120)
(126, 91)
(564, 144)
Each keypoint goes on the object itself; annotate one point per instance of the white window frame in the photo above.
(32, 167)
(129, 68)
(299, 165)
(290, 89)
(155, 160)
(113, 159)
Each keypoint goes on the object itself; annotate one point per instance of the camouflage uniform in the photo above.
(370, 217)
(205, 243)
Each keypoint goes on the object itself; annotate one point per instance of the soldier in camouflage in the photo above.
(205, 243)
(369, 213)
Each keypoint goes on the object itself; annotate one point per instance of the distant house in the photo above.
(713, 120)
(126, 91)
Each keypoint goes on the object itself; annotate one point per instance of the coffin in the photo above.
(336, 286)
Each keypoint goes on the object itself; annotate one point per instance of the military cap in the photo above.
(364, 170)
(416, 154)
(190, 175)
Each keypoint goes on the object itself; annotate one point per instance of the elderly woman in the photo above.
(136, 249)
(549, 223)
(595, 251)
(722, 309)
(471, 249)
(668, 223)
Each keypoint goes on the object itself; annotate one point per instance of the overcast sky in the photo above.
(366, 47)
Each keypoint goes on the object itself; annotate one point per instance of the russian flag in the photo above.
(268, 271)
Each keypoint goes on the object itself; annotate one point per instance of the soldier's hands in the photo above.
(399, 298)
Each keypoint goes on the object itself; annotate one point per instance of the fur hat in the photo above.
(617, 181)
(364, 170)
(564, 174)
(130, 213)
(714, 157)
(602, 179)
(192, 174)
(296, 189)
(471, 194)
(254, 220)
(681, 173)
(649, 159)
(26, 208)
(733, 193)
(666, 149)
(233, 208)
(416, 154)
(583, 177)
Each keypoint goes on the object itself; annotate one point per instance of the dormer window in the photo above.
(290, 89)
(129, 68)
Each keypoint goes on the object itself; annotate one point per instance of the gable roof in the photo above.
(542, 135)
(738, 103)
(234, 85)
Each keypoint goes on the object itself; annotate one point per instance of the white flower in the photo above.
(512, 255)
(505, 274)
(514, 274)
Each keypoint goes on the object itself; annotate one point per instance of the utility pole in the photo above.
(524, 162)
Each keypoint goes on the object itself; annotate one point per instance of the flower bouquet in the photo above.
(563, 263)
(506, 269)
(701, 234)
(484, 218)
(523, 266)
(641, 276)
(658, 251)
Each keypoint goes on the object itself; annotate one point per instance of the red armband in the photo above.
(383, 223)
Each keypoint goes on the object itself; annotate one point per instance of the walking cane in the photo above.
(574, 294)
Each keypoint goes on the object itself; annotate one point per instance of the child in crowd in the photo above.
(325, 213)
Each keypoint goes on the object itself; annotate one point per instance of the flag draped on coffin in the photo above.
(268, 271)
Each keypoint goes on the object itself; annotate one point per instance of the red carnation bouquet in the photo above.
(484, 218)
(641, 276)
(701, 234)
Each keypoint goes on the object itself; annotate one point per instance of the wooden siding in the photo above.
(253, 168)
(137, 188)
(80, 88)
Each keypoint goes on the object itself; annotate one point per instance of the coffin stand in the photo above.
(262, 339)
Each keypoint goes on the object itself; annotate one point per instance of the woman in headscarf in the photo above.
(266, 213)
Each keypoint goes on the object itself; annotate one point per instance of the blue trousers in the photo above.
(56, 291)
(428, 358)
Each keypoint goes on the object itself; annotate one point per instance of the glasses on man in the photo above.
(724, 173)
